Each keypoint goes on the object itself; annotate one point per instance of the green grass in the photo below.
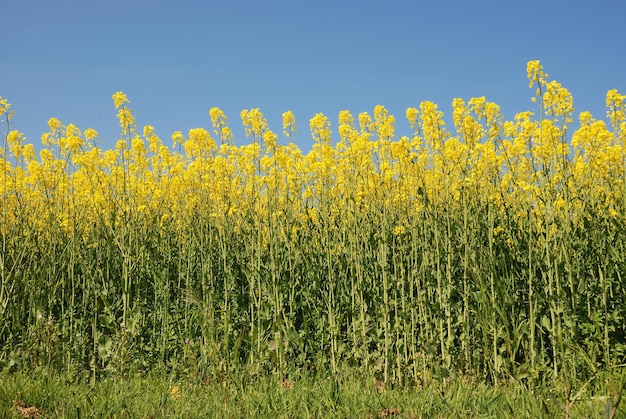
(44, 394)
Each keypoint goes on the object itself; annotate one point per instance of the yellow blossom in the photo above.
(119, 99)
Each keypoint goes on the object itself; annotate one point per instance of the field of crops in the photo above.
(494, 248)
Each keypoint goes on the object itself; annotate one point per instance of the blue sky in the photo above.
(177, 59)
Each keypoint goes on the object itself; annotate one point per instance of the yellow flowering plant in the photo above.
(494, 247)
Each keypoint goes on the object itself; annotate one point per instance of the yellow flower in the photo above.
(254, 122)
(178, 137)
(54, 124)
(148, 130)
(119, 99)
(91, 134)
(534, 72)
(4, 107)
(616, 105)
(175, 392)
(320, 129)
(384, 123)
(347, 130)
(289, 124)
(411, 116)
(365, 122)
(270, 139)
(399, 230)
(220, 123)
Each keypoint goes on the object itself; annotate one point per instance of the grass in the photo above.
(44, 394)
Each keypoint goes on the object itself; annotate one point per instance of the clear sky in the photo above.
(177, 59)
